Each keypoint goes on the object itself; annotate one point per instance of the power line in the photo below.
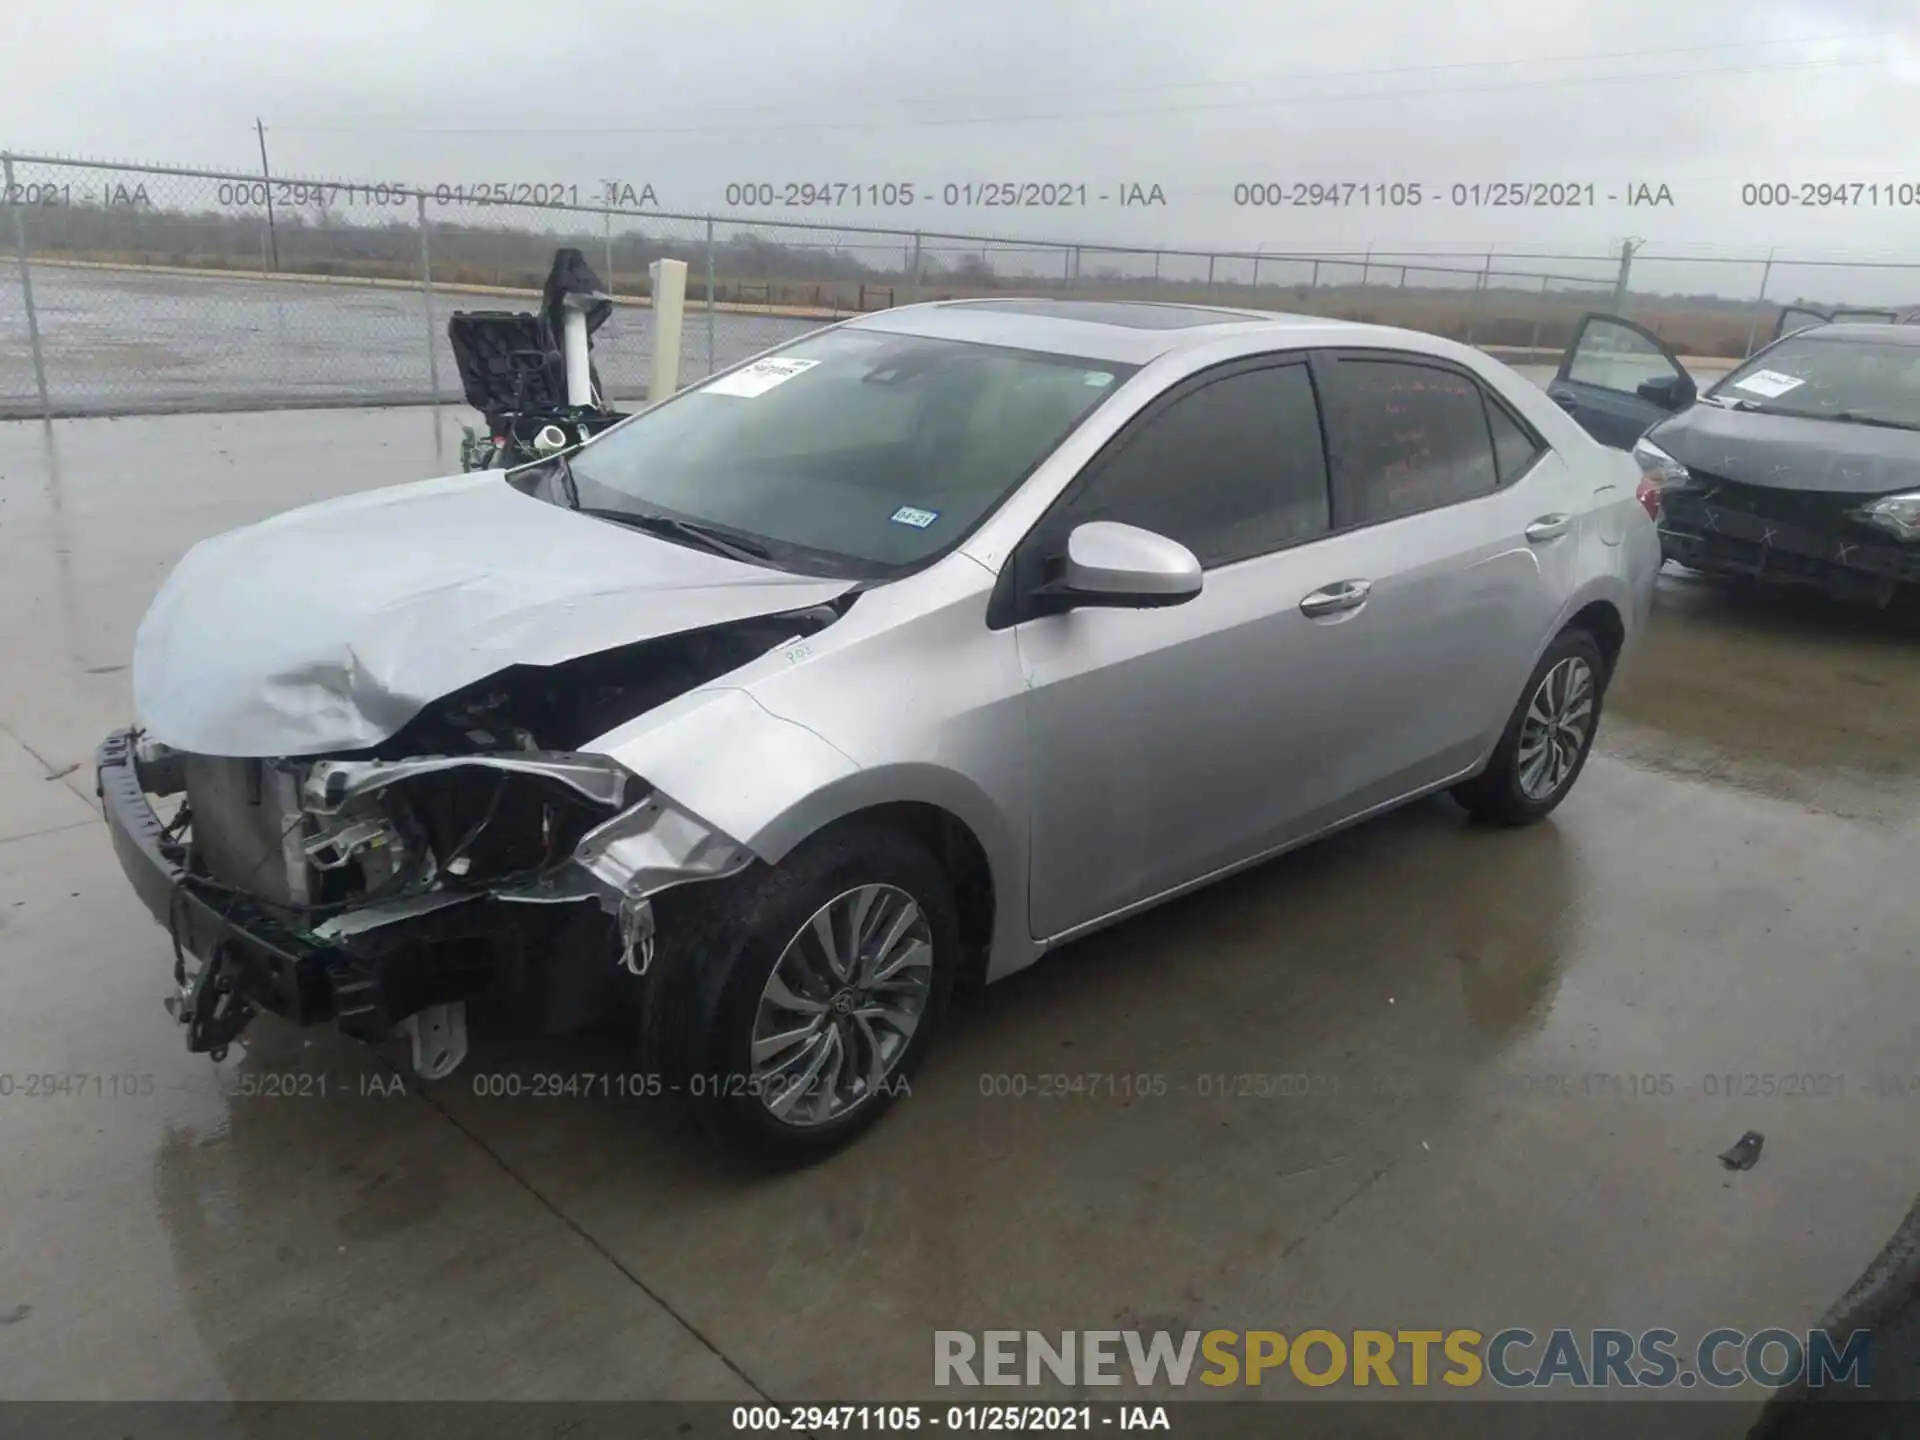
(1293, 76)
(1129, 113)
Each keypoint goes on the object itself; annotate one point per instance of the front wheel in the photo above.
(804, 995)
(1545, 745)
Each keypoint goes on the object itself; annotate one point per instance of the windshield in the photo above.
(1830, 377)
(850, 449)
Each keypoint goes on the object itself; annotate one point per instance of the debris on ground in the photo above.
(1744, 1153)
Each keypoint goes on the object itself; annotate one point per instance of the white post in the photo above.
(669, 286)
(573, 338)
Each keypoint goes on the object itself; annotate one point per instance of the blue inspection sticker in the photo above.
(909, 515)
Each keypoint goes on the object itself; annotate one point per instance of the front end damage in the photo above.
(476, 856)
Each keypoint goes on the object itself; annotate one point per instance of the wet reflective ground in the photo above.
(1420, 1075)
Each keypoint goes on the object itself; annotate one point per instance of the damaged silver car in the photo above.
(906, 652)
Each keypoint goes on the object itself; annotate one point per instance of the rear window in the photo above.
(1513, 448)
(1403, 437)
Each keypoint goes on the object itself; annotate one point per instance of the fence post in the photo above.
(1210, 260)
(426, 295)
(1759, 301)
(913, 283)
(1480, 298)
(710, 365)
(606, 224)
(26, 290)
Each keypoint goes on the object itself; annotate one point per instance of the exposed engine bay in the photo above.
(476, 854)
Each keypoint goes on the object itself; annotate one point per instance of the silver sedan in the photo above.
(912, 649)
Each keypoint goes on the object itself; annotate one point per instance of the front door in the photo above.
(1169, 743)
(1617, 379)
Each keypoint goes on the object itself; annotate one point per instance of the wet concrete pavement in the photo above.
(1503, 1059)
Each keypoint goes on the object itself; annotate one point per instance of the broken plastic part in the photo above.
(636, 935)
(331, 783)
(1744, 1153)
(439, 1037)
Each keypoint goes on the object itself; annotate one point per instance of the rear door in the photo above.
(1465, 526)
(1618, 379)
(1801, 317)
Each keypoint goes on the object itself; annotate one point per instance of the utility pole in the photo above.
(273, 235)
(1627, 248)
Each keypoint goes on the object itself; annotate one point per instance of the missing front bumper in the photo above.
(234, 957)
(552, 948)
(1842, 564)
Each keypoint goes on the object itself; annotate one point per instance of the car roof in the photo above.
(1123, 331)
(1885, 332)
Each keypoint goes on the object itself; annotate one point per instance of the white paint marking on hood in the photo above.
(331, 626)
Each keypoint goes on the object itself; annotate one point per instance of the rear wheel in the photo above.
(1545, 745)
(803, 996)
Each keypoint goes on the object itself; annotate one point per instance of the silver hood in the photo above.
(330, 627)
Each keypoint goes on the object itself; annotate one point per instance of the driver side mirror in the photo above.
(1111, 564)
(1669, 392)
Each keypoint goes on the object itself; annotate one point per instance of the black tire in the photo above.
(1496, 793)
(719, 942)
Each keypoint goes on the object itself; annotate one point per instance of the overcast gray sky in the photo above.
(1192, 95)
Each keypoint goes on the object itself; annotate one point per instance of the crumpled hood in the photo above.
(330, 627)
(1791, 452)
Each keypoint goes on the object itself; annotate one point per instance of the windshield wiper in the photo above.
(1854, 417)
(707, 537)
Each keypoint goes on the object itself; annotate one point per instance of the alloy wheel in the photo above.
(1554, 733)
(841, 1005)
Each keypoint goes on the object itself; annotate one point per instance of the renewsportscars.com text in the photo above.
(1513, 1358)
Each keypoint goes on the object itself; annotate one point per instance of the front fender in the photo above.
(768, 783)
(724, 757)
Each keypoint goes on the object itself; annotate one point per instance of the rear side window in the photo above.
(1403, 437)
(1513, 448)
(1231, 469)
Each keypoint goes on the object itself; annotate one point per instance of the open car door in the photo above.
(1799, 317)
(1619, 378)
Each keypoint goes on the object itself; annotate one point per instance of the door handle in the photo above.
(1333, 599)
(1549, 527)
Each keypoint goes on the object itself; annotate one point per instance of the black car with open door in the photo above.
(1801, 466)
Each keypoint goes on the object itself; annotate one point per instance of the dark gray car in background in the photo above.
(1799, 467)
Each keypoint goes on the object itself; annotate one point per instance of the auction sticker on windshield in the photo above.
(1770, 383)
(757, 378)
(914, 516)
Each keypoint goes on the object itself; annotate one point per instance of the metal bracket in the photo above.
(439, 1037)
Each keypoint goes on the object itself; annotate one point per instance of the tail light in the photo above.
(1658, 470)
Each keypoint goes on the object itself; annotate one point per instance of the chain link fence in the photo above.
(131, 288)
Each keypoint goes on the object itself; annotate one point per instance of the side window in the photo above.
(1513, 448)
(1231, 469)
(1613, 356)
(1403, 437)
